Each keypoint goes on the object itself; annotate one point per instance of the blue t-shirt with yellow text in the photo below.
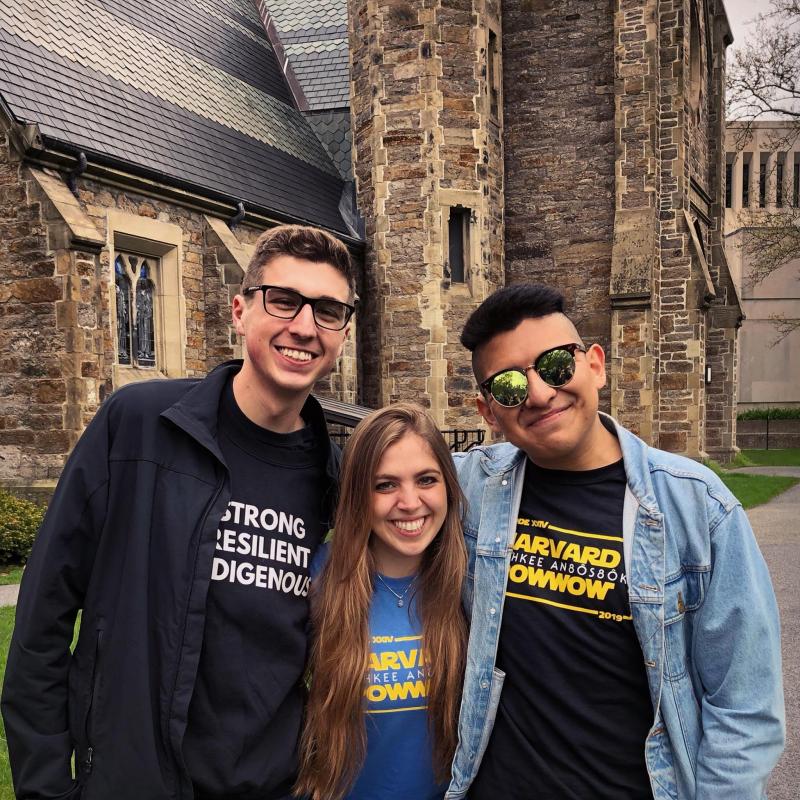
(398, 762)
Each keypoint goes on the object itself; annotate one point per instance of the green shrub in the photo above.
(770, 413)
(19, 522)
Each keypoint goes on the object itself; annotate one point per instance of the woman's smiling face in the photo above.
(409, 505)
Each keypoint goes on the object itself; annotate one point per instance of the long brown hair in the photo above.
(334, 737)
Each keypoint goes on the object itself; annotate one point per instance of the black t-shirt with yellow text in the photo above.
(575, 708)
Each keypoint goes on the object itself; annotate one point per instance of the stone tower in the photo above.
(613, 184)
(427, 115)
(585, 138)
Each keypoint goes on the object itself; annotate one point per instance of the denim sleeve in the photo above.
(737, 652)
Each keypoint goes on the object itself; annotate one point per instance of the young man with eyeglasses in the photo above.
(624, 634)
(183, 526)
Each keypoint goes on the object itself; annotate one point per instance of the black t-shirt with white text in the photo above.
(245, 713)
(575, 708)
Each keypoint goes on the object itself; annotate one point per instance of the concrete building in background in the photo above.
(763, 184)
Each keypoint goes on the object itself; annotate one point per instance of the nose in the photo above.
(303, 325)
(539, 393)
(408, 498)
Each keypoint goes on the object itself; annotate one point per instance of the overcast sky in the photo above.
(740, 13)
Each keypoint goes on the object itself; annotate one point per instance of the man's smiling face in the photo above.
(285, 357)
(557, 428)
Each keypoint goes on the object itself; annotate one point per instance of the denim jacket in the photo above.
(703, 610)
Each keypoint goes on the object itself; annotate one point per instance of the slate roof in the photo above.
(333, 130)
(188, 90)
(314, 38)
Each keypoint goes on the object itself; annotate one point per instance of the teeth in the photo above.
(297, 355)
(409, 525)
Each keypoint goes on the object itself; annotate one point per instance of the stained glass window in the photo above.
(136, 325)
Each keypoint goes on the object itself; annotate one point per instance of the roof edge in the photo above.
(49, 152)
(721, 16)
(23, 136)
(274, 37)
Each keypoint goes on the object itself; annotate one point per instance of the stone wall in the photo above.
(51, 345)
(558, 80)
(635, 261)
(770, 434)
(726, 315)
(613, 137)
(425, 141)
(57, 323)
(696, 311)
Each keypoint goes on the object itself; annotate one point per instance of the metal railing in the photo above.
(459, 440)
(462, 439)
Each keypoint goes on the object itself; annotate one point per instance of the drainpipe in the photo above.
(78, 170)
(238, 216)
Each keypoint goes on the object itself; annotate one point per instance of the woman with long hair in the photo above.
(389, 632)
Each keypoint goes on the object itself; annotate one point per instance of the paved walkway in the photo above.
(8, 595)
(793, 472)
(778, 532)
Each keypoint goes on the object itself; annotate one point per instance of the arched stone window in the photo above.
(148, 316)
(135, 295)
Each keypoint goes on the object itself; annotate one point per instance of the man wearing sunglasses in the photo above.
(624, 633)
(184, 526)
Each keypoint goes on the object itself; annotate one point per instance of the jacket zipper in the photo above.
(88, 761)
(208, 511)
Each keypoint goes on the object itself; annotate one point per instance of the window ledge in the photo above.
(124, 375)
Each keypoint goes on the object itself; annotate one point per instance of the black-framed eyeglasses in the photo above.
(556, 367)
(284, 303)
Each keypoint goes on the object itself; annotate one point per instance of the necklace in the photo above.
(400, 597)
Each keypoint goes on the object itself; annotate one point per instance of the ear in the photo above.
(485, 410)
(238, 307)
(596, 360)
(345, 334)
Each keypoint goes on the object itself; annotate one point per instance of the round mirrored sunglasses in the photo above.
(556, 367)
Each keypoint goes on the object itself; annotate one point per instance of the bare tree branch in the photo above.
(764, 78)
(772, 243)
(784, 327)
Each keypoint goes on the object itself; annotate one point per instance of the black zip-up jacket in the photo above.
(129, 537)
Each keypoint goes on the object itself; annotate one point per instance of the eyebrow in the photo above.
(433, 471)
(307, 296)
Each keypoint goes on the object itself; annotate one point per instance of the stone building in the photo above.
(763, 188)
(141, 154)
(455, 145)
(575, 143)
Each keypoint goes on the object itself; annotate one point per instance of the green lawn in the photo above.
(774, 458)
(754, 490)
(9, 575)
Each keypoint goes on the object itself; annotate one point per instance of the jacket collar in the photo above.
(505, 456)
(501, 457)
(197, 411)
(636, 460)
